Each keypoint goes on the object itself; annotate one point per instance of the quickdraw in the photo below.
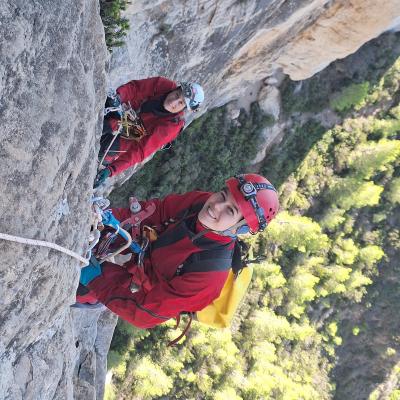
(131, 126)
(101, 218)
(137, 241)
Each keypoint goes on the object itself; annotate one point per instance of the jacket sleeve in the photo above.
(189, 292)
(139, 151)
(137, 91)
(171, 206)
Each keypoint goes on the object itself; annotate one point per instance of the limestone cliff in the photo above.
(53, 83)
(228, 45)
(52, 79)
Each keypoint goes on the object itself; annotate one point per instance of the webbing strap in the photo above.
(181, 229)
(184, 332)
(260, 186)
(173, 235)
(207, 260)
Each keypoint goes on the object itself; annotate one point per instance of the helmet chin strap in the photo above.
(236, 228)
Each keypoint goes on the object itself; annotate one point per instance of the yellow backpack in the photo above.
(220, 312)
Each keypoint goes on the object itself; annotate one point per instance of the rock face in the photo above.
(52, 80)
(93, 327)
(228, 45)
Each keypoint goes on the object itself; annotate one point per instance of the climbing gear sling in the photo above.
(131, 126)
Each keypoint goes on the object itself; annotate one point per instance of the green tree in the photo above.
(371, 158)
(352, 192)
(149, 380)
(295, 232)
(393, 193)
(350, 96)
(116, 27)
(345, 251)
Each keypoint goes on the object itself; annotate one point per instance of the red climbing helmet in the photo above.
(256, 198)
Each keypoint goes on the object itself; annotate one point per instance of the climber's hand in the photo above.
(101, 177)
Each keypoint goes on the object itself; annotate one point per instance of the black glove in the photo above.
(101, 177)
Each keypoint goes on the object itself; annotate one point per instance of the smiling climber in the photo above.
(186, 267)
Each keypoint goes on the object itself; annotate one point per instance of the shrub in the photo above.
(115, 26)
(393, 194)
(351, 96)
(149, 380)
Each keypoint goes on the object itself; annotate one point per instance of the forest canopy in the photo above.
(339, 190)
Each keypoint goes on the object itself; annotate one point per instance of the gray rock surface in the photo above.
(269, 99)
(52, 80)
(93, 328)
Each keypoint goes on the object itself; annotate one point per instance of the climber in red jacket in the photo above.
(158, 106)
(196, 228)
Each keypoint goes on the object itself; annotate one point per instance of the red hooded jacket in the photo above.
(161, 129)
(163, 294)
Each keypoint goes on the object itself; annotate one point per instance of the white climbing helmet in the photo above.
(193, 94)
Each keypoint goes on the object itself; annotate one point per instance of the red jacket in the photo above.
(163, 294)
(161, 129)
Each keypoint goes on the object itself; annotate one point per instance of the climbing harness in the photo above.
(102, 218)
(131, 126)
(137, 240)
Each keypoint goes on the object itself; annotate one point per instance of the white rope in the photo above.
(115, 134)
(42, 243)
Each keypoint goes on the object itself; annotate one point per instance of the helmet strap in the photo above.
(249, 191)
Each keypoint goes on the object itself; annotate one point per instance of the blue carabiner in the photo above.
(109, 220)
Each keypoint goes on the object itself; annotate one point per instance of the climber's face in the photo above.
(175, 102)
(220, 212)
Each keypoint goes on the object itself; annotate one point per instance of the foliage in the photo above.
(350, 96)
(116, 27)
(351, 192)
(296, 145)
(393, 194)
(338, 188)
(373, 157)
(109, 392)
(150, 380)
(300, 233)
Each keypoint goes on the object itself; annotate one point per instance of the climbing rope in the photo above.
(43, 243)
(115, 134)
